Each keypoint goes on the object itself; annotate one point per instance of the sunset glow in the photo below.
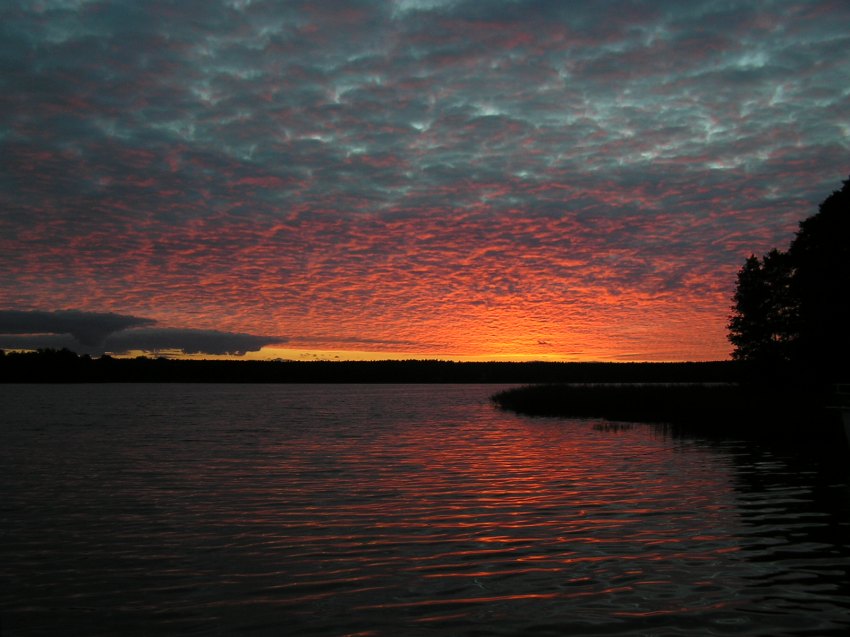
(455, 180)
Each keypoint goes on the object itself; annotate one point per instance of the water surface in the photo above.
(399, 510)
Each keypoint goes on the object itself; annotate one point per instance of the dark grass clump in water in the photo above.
(720, 409)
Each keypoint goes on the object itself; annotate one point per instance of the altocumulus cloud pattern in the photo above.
(527, 179)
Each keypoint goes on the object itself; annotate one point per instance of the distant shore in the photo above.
(63, 366)
(709, 408)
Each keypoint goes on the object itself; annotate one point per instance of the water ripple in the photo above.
(384, 510)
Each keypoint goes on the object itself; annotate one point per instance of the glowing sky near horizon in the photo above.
(500, 179)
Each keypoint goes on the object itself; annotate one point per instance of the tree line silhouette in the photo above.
(64, 366)
(791, 313)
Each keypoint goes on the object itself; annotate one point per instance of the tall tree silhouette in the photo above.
(764, 325)
(792, 308)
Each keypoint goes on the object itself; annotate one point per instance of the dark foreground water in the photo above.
(399, 510)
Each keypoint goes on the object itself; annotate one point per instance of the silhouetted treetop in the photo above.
(792, 308)
(764, 325)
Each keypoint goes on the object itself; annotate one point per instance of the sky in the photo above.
(463, 180)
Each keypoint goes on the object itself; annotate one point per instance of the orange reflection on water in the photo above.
(366, 509)
(438, 518)
(561, 507)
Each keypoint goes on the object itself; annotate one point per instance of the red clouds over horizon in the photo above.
(441, 284)
(441, 179)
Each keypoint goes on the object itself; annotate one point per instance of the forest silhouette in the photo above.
(791, 314)
(65, 366)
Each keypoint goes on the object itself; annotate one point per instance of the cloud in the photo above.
(45, 341)
(96, 333)
(188, 341)
(381, 172)
(87, 328)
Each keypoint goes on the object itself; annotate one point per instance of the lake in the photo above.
(400, 510)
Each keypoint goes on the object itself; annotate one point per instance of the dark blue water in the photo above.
(399, 510)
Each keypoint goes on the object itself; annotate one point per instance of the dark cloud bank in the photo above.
(98, 333)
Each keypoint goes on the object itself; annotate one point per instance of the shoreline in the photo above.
(64, 366)
(729, 409)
